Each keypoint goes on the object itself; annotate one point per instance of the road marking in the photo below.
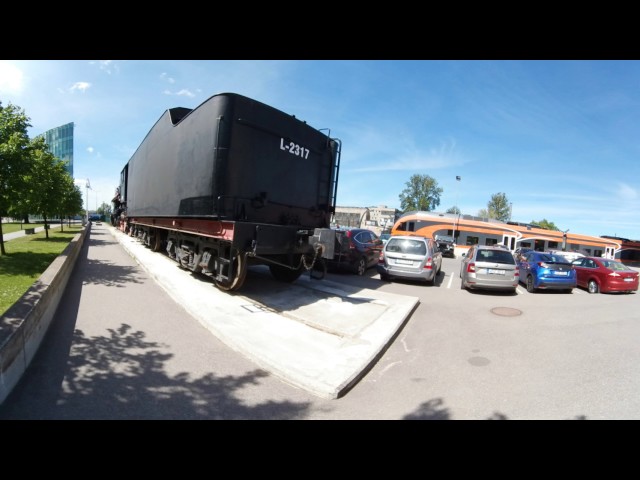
(450, 280)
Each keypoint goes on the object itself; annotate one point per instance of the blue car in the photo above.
(542, 271)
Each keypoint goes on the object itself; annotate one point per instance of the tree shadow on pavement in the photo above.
(121, 376)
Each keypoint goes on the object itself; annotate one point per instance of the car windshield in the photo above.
(406, 245)
(444, 238)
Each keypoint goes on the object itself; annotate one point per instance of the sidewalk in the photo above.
(21, 233)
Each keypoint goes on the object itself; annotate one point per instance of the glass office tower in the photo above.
(60, 141)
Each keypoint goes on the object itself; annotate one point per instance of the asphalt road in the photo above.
(136, 354)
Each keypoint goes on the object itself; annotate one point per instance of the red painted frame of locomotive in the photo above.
(207, 228)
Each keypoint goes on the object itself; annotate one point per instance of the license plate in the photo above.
(495, 272)
(628, 279)
(403, 262)
(561, 273)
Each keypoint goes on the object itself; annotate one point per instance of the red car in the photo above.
(598, 274)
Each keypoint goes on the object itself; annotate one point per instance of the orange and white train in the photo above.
(469, 230)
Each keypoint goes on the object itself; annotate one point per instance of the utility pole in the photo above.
(88, 186)
(457, 220)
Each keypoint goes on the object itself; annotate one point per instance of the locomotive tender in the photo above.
(230, 183)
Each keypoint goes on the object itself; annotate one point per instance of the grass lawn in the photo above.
(27, 258)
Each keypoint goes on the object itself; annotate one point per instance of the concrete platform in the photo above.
(318, 335)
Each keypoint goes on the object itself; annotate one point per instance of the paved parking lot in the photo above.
(479, 355)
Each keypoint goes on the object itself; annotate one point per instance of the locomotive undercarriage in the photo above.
(226, 262)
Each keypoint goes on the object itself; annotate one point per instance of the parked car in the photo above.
(519, 253)
(541, 270)
(489, 267)
(447, 245)
(410, 258)
(355, 249)
(384, 237)
(598, 274)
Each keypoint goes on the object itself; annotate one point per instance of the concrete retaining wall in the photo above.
(25, 324)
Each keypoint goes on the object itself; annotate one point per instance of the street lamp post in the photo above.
(88, 187)
(457, 220)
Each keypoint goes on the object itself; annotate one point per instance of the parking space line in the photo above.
(450, 280)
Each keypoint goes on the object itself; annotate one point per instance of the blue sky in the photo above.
(559, 138)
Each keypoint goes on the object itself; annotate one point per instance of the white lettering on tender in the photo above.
(294, 149)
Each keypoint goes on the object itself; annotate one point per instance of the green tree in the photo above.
(71, 199)
(453, 209)
(498, 208)
(47, 182)
(544, 223)
(14, 158)
(421, 193)
(104, 209)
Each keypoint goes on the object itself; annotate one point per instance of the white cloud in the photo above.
(90, 149)
(186, 93)
(11, 78)
(166, 77)
(105, 65)
(625, 192)
(82, 86)
(182, 93)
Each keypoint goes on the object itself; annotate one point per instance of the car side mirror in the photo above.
(463, 254)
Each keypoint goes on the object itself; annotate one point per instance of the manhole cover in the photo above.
(506, 311)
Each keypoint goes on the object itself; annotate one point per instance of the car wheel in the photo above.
(593, 286)
(530, 287)
(361, 267)
(462, 285)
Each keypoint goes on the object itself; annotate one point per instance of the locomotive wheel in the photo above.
(157, 244)
(284, 274)
(240, 273)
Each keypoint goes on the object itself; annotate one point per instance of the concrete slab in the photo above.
(318, 335)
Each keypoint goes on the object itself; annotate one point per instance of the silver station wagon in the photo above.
(489, 267)
(410, 258)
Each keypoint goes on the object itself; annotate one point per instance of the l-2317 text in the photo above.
(294, 148)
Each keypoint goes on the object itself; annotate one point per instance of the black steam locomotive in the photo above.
(230, 183)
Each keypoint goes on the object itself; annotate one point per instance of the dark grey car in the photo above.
(356, 249)
(410, 258)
